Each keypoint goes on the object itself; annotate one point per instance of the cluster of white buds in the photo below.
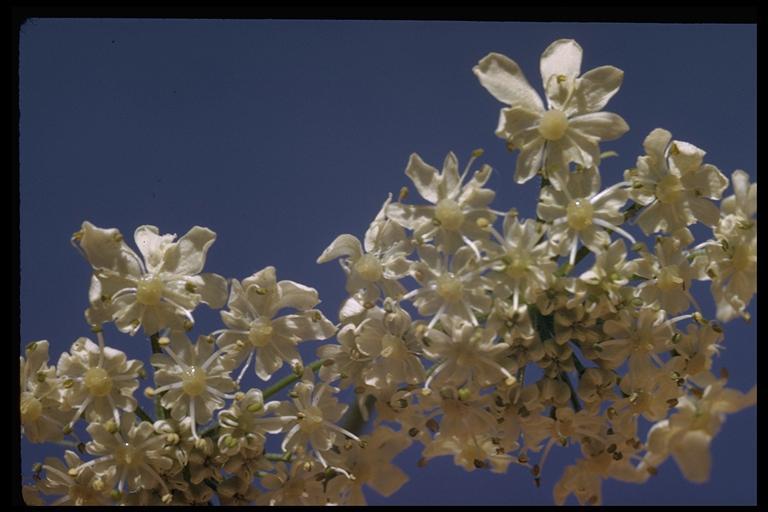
(466, 329)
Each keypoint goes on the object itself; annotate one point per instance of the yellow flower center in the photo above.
(369, 268)
(669, 189)
(313, 419)
(31, 409)
(518, 265)
(149, 290)
(127, 455)
(449, 288)
(193, 380)
(260, 333)
(553, 124)
(669, 278)
(579, 214)
(449, 213)
(98, 381)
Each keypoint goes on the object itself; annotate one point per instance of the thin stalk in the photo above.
(290, 379)
(574, 399)
(142, 414)
(160, 411)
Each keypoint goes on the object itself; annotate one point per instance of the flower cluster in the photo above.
(466, 329)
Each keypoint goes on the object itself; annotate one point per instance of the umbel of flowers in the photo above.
(465, 330)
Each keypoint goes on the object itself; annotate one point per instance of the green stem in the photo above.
(278, 457)
(566, 267)
(578, 364)
(289, 379)
(353, 421)
(142, 414)
(631, 211)
(211, 432)
(574, 399)
(160, 411)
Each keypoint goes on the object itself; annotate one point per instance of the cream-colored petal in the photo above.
(503, 78)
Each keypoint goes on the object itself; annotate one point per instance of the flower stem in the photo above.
(160, 411)
(289, 379)
(574, 399)
(278, 457)
(142, 414)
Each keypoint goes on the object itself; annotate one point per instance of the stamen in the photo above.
(216, 392)
(156, 476)
(123, 292)
(115, 414)
(77, 470)
(498, 236)
(192, 416)
(471, 315)
(436, 317)
(413, 293)
(184, 311)
(212, 358)
(247, 364)
(692, 299)
(574, 247)
(168, 387)
(616, 229)
(608, 190)
(543, 459)
(62, 500)
(121, 483)
(342, 430)
(80, 411)
(175, 358)
(676, 319)
(435, 372)
(472, 246)
(61, 474)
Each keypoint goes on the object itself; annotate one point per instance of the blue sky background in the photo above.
(280, 135)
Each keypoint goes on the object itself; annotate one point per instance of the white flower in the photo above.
(391, 346)
(237, 491)
(194, 379)
(466, 356)
(132, 451)
(571, 127)
(84, 488)
(579, 212)
(98, 381)
(41, 396)
(738, 210)
(252, 326)
(380, 265)
(674, 185)
(311, 417)
(600, 289)
(245, 424)
(470, 456)
(687, 434)
(524, 266)
(464, 414)
(636, 337)
(458, 212)
(698, 346)
(158, 292)
(372, 465)
(669, 276)
(653, 392)
(297, 485)
(449, 289)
